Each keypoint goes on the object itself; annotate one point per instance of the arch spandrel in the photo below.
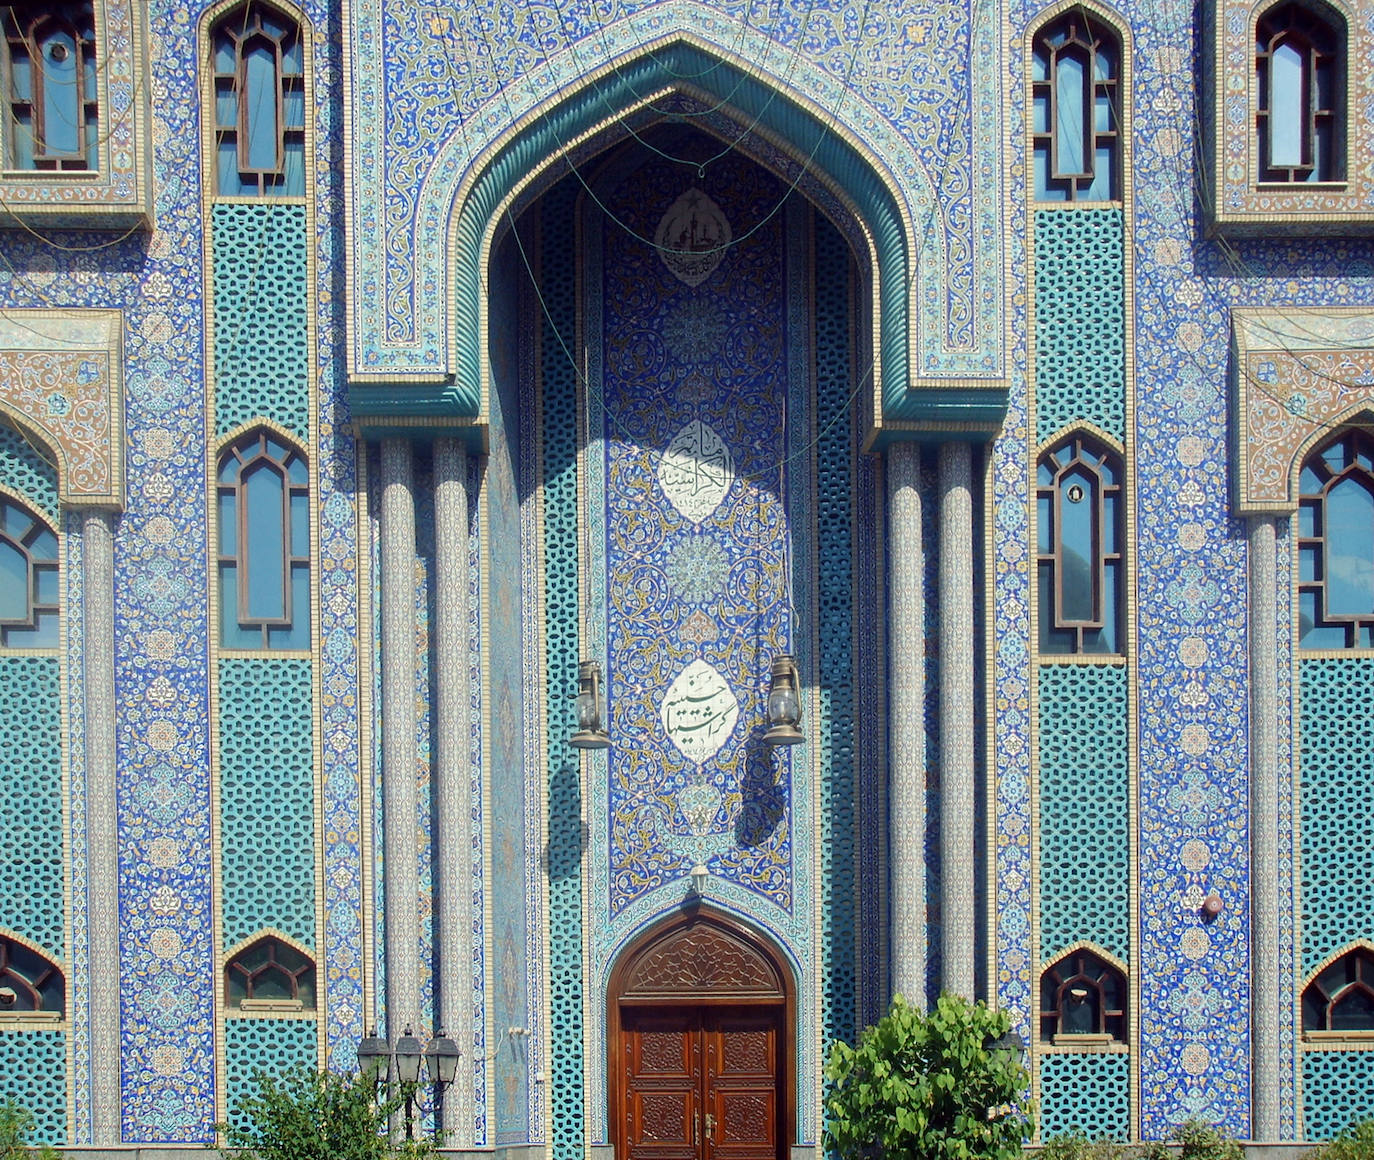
(413, 345)
(61, 382)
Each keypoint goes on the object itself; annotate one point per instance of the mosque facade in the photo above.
(625, 534)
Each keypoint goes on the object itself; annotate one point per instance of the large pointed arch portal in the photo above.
(701, 1015)
(481, 193)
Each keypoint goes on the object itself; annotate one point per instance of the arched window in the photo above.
(1341, 997)
(259, 77)
(1080, 567)
(1082, 995)
(28, 981)
(264, 545)
(269, 974)
(1076, 110)
(54, 117)
(1336, 544)
(1300, 87)
(28, 579)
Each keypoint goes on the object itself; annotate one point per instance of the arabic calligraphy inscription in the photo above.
(699, 712)
(696, 471)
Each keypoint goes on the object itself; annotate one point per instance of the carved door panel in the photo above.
(701, 1084)
(742, 1085)
(662, 1092)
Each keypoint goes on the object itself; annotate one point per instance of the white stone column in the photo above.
(907, 775)
(956, 718)
(102, 894)
(453, 776)
(1264, 831)
(400, 854)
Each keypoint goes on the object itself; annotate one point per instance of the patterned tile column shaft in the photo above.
(956, 717)
(97, 548)
(907, 785)
(1264, 832)
(453, 775)
(400, 850)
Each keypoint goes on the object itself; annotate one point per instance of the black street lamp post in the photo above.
(376, 1056)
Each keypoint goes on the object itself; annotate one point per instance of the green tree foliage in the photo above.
(314, 1115)
(1355, 1143)
(929, 1087)
(16, 1122)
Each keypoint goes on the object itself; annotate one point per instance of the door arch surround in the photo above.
(711, 974)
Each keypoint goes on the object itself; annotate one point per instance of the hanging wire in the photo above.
(863, 379)
(831, 118)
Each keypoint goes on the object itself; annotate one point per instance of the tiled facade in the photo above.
(538, 429)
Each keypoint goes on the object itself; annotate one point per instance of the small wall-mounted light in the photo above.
(591, 709)
(1212, 906)
(700, 876)
(784, 703)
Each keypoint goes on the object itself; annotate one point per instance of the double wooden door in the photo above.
(701, 1083)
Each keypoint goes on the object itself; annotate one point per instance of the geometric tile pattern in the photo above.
(31, 879)
(1336, 801)
(33, 1070)
(1335, 1091)
(1080, 320)
(260, 310)
(1084, 809)
(1087, 1092)
(267, 798)
(273, 1047)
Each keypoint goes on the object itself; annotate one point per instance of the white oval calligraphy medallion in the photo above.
(699, 712)
(692, 237)
(696, 471)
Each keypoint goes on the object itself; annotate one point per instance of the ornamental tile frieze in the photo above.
(60, 377)
(1296, 373)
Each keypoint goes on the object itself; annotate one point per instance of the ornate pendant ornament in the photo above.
(699, 712)
(696, 471)
(699, 803)
(692, 237)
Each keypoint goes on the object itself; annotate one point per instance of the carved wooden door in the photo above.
(701, 1084)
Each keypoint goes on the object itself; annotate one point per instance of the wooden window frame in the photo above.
(1101, 453)
(1361, 441)
(243, 27)
(235, 968)
(252, 453)
(1363, 959)
(1321, 43)
(26, 25)
(1056, 980)
(1089, 38)
(33, 606)
(30, 989)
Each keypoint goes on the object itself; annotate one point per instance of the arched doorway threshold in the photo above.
(701, 1011)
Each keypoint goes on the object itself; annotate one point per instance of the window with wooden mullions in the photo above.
(1341, 997)
(1080, 566)
(1336, 544)
(29, 983)
(28, 579)
(54, 112)
(270, 974)
(259, 77)
(1082, 1001)
(1076, 110)
(1300, 91)
(264, 545)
